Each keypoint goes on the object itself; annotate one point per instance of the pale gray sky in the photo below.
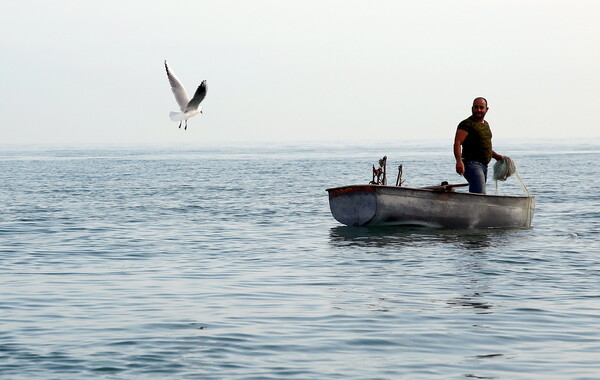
(92, 71)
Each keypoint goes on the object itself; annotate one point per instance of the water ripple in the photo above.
(203, 263)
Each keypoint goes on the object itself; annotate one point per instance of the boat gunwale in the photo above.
(373, 187)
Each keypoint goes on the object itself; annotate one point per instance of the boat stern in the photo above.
(353, 205)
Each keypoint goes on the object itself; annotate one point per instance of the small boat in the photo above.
(377, 204)
(435, 206)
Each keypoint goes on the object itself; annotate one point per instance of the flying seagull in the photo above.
(188, 107)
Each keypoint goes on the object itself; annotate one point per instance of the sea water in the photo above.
(224, 262)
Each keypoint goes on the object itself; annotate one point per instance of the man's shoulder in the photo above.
(466, 124)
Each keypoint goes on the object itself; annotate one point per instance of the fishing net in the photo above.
(505, 168)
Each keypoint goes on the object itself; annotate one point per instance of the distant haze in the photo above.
(92, 71)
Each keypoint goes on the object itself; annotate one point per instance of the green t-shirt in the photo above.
(478, 143)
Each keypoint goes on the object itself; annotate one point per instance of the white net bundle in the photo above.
(505, 168)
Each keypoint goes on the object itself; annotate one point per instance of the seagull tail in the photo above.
(177, 116)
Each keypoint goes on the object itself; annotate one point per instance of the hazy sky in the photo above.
(92, 71)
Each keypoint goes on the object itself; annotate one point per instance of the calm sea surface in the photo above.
(225, 263)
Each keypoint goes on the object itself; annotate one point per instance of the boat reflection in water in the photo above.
(457, 258)
(392, 237)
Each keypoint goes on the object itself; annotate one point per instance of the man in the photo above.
(473, 147)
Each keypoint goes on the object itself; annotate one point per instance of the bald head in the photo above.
(480, 98)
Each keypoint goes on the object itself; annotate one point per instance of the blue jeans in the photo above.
(476, 175)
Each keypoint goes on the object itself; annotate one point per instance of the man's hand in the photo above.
(460, 167)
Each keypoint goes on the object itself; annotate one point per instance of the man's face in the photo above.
(479, 109)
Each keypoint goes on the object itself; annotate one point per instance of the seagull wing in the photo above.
(180, 95)
(198, 97)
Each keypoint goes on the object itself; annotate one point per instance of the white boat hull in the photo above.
(377, 205)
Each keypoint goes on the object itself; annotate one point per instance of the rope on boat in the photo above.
(505, 168)
(379, 174)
